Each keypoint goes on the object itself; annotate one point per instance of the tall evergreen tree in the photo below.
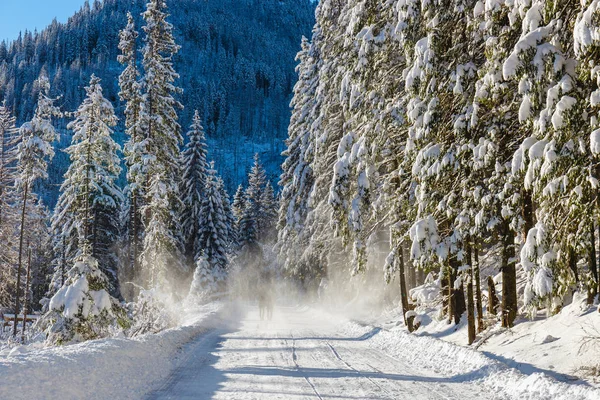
(9, 141)
(163, 242)
(193, 182)
(213, 235)
(238, 204)
(134, 148)
(90, 200)
(35, 150)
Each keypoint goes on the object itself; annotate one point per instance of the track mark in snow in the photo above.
(337, 355)
(295, 358)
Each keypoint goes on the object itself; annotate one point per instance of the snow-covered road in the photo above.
(300, 354)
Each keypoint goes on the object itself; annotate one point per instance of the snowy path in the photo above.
(300, 355)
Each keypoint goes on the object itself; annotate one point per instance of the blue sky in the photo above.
(18, 15)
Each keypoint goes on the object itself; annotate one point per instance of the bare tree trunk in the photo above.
(493, 299)
(420, 276)
(25, 303)
(470, 305)
(477, 277)
(450, 292)
(527, 213)
(63, 266)
(403, 294)
(593, 290)
(509, 279)
(19, 268)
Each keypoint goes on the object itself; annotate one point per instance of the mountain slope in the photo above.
(236, 65)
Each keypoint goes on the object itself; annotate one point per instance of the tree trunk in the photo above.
(450, 292)
(493, 299)
(470, 305)
(573, 265)
(509, 279)
(403, 294)
(593, 289)
(420, 276)
(25, 303)
(527, 213)
(477, 277)
(460, 303)
(470, 311)
(412, 275)
(19, 268)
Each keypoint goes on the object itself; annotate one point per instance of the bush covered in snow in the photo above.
(82, 309)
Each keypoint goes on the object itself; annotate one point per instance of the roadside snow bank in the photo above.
(116, 368)
(469, 365)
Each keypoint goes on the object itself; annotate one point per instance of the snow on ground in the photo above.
(116, 368)
(227, 352)
(303, 353)
(560, 346)
(469, 365)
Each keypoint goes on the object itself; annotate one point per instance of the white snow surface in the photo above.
(227, 352)
(116, 368)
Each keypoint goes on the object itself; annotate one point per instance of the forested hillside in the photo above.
(236, 67)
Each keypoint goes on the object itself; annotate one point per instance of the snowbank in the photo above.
(117, 368)
(465, 364)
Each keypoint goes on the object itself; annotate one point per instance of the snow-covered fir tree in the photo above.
(83, 309)
(239, 204)
(230, 220)
(211, 242)
(134, 148)
(193, 182)
(9, 141)
(269, 206)
(297, 177)
(163, 242)
(34, 152)
(90, 201)
(252, 223)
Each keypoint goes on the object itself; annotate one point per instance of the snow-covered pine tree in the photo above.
(297, 178)
(496, 103)
(34, 152)
(230, 221)
(551, 160)
(9, 140)
(211, 241)
(204, 282)
(268, 203)
(163, 241)
(83, 309)
(238, 205)
(251, 223)
(134, 148)
(248, 225)
(586, 44)
(193, 181)
(327, 129)
(90, 200)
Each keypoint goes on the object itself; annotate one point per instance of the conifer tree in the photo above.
(90, 200)
(193, 182)
(82, 309)
(238, 204)
(163, 241)
(211, 241)
(9, 141)
(34, 152)
(134, 148)
(230, 221)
